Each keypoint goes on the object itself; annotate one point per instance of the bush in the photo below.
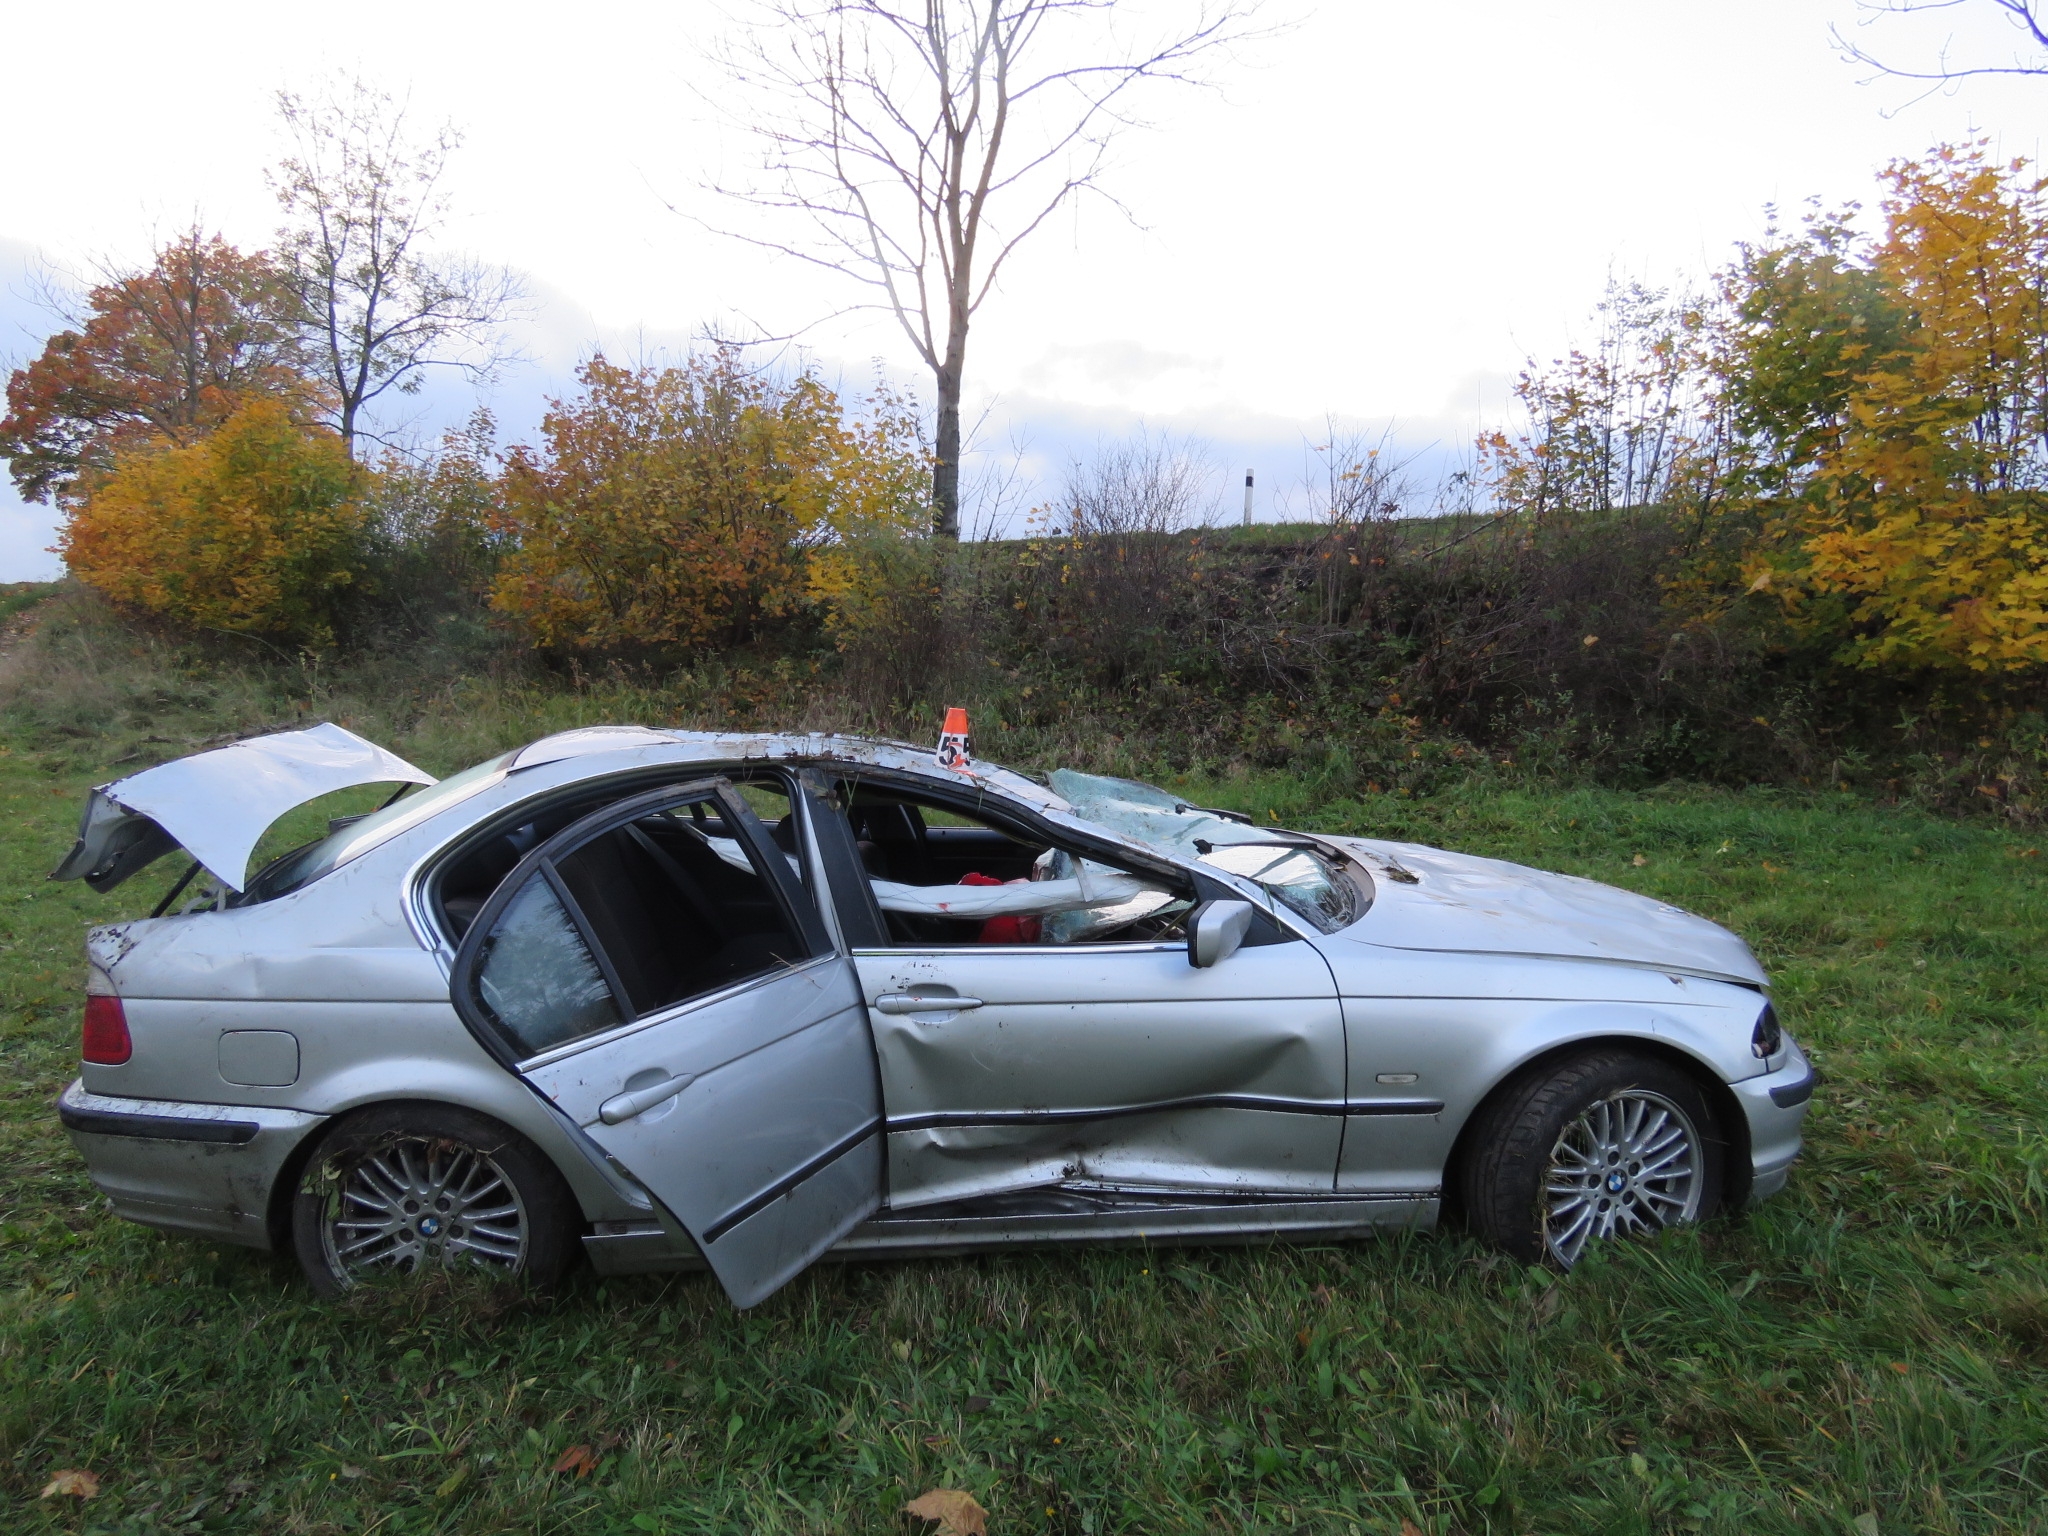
(256, 529)
(680, 508)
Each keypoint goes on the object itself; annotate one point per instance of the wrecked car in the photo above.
(660, 999)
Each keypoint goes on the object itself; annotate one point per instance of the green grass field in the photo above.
(1868, 1353)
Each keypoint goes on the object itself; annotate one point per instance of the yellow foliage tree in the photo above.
(683, 507)
(254, 529)
(1916, 530)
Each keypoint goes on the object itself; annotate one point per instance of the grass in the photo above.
(1872, 1344)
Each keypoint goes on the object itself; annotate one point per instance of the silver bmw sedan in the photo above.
(670, 999)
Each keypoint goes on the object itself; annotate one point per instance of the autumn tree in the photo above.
(166, 352)
(376, 303)
(923, 141)
(1890, 402)
(689, 506)
(255, 528)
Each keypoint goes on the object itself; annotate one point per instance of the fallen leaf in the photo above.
(1865, 1523)
(1592, 640)
(73, 1483)
(1639, 861)
(1901, 1367)
(453, 1483)
(955, 1510)
(580, 1459)
(1410, 1528)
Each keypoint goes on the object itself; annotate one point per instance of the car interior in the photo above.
(467, 881)
(915, 840)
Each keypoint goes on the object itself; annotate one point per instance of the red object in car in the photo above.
(106, 1041)
(1004, 930)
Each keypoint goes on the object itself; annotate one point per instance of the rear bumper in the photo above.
(204, 1169)
(1775, 1106)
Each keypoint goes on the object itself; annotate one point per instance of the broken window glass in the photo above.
(1288, 868)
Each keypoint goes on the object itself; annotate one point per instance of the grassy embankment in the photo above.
(1875, 1342)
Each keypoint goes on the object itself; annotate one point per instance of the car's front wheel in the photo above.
(410, 1189)
(1601, 1145)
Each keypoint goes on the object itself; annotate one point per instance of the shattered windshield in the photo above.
(1288, 868)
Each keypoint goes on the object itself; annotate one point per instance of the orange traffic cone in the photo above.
(955, 749)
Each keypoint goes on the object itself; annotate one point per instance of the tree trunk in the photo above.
(946, 460)
(946, 455)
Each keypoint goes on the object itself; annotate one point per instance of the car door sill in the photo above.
(1062, 1217)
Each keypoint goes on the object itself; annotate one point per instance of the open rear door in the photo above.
(661, 973)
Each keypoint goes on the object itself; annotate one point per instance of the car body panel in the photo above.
(1109, 1063)
(1458, 903)
(208, 1170)
(217, 805)
(1460, 972)
(676, 1096)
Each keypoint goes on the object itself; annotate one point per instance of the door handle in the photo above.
(915, 1002)
(621, 1107)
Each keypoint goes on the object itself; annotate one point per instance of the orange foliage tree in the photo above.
(684, 507)
(254, 529)
(164, 353)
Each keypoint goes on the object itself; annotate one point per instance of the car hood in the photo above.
(218, 804)
(1428, 900)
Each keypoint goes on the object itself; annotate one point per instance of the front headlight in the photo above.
(1768, 1038)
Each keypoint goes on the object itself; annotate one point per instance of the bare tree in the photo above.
(1140, 486)
(924, 140)
(364, 203)
(2028, 18)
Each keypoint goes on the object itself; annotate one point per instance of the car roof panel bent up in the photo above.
(217, 805)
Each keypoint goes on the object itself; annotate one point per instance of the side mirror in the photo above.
(1215, 929)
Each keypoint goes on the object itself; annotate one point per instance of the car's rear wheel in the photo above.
(414, 1189)
(1597, 1146)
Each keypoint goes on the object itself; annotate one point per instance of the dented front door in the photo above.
(1115, 1065)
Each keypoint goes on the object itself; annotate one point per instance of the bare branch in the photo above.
(920, 143)
(2029, 17)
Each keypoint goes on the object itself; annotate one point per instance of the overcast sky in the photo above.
(1376, 216)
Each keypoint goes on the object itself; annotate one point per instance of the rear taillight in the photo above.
(106, 1042)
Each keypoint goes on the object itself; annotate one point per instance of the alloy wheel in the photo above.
(413, 1203)
(1630, 1163)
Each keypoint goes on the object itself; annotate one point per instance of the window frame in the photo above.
(802, 915)
(993, 809)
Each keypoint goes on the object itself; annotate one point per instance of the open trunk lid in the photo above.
(218, 804)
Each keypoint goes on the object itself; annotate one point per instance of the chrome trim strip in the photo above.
(755, 1204)
(957, 1119)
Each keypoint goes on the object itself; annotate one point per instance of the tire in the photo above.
(1596, 1146)
(406, 1190)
